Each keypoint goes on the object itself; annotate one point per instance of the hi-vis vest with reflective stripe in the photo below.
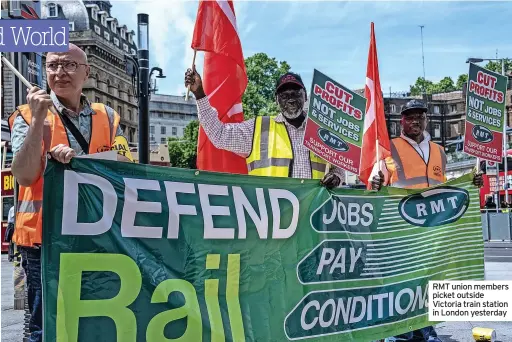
(272, 153)
(28, 227)
(408, 169)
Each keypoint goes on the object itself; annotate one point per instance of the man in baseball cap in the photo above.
(272, 145)
(416, 162)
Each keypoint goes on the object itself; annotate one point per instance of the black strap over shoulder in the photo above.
(76, 133)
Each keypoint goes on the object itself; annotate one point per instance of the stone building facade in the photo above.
(29, 64)
(106, 43)
(169, 115)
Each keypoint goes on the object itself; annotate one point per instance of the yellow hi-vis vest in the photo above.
(272, 153)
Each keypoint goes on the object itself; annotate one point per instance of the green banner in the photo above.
(133, 252)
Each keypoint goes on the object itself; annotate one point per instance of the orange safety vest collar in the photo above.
(28, 226)
(411, 171)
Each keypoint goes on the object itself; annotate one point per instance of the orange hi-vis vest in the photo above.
(408, 170)
(29, 222)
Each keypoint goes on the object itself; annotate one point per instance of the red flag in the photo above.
(375, 122)
(224, 79)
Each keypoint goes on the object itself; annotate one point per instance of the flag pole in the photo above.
(23, 79)
(17, 73)
(193, 63)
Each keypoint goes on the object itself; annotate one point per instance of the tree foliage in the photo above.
(461, 80)
(262, 73)
(496, 66)
(183, 151)
(443, 86)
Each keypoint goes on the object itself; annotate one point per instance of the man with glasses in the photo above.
(272, 146)
(62, 124)
(416, 162)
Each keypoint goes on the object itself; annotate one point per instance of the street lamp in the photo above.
(139, 66)
(478, 60)
(143, 59)
(160, 75)
(505, 142)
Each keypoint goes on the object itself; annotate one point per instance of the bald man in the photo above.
(61, 124)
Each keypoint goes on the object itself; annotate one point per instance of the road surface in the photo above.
(498, 266)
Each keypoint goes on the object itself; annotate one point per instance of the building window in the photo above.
(454, 128)
(152, 138)
(130, 38)
(97, 29)
(392, 129)
(133, 51)
(437, 130)
(160, 115)
(97, 99)
(94, 14)
(453, 108)
(123, 33)
(104, 20)
(393, 108)
(15, 8)
(162, 140)
(152, 129)
(174, 131)
(116, 41)
(106, 35)
(113, 26)
(436, 109)
(120, 110)
(162, 130)
(130, 115)
(52, 10)
(71, 26)
(109, 104)
(125, 47)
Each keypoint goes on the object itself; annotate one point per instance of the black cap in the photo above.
(289, 78)
(414, 106)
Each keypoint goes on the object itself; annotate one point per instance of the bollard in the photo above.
(484, 335)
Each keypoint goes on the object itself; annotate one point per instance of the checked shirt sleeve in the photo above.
(233, 137)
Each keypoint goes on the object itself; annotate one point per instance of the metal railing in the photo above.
(497, 225)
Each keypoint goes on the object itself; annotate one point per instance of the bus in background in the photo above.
(7, 179)
(159, 154)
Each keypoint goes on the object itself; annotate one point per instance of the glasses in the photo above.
(290, 94)
(411, 118)
(67, 66)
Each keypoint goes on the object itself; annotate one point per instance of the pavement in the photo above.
(12, 320)
(498, 266)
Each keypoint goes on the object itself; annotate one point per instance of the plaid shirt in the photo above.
(237, 138)
(81, 120)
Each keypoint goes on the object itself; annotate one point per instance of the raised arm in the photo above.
(233, 137)
(27, 139)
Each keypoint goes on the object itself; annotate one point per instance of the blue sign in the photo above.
(21, 35)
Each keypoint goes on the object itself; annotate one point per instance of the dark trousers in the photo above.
(31, 262)
(420, 335)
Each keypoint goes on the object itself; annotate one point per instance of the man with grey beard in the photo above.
(272, 146)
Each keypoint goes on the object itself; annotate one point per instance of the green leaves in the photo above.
(496, 66)
(443, 86)
(447, 85)
(263, 73)
(183, 151)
